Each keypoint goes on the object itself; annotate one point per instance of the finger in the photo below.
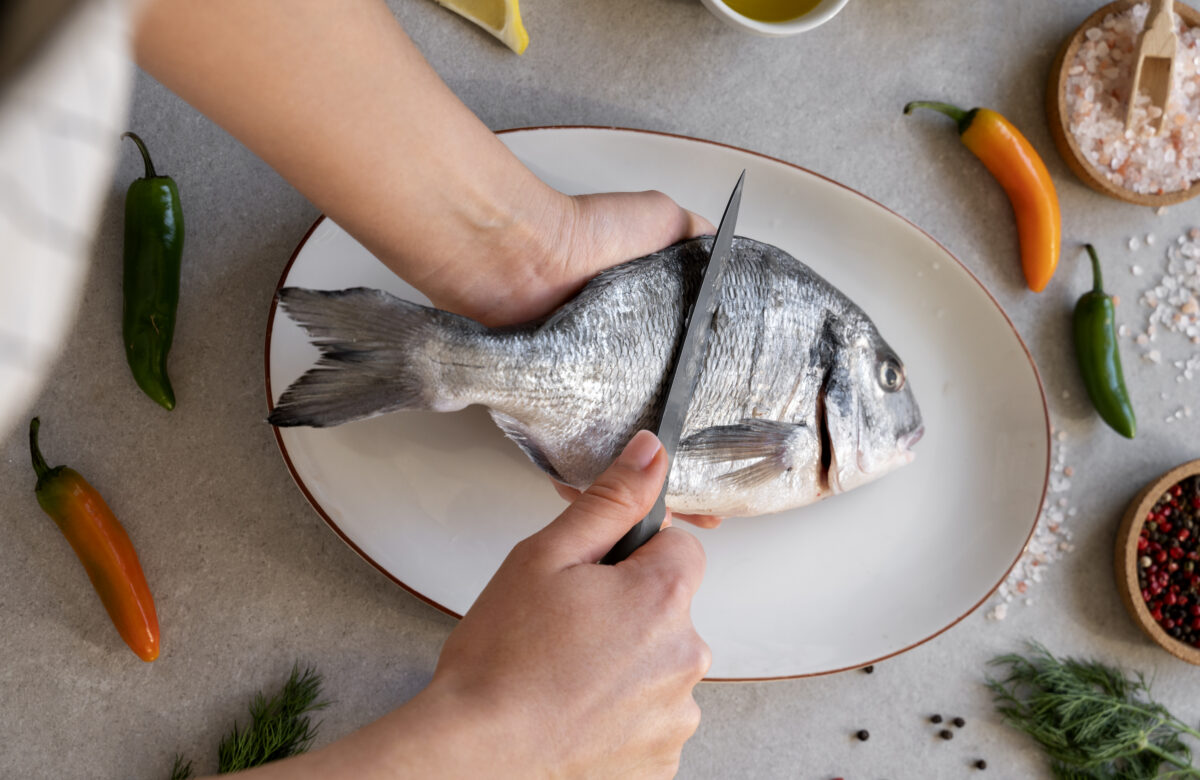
(674, 556)
(700, 521)
(698, 225)
(566, 492)
(616, 501)
(625, 225)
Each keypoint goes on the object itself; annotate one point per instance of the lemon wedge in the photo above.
(502, 18)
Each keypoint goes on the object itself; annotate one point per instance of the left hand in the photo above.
(564, 243)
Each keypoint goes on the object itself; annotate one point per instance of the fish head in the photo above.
(867, 412)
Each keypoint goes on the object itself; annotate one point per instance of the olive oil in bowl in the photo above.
(772, 10)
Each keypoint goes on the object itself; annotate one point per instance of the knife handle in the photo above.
(640, 534)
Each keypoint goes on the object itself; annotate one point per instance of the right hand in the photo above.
(582, 669)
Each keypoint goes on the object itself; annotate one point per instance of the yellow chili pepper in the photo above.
(1023, 175)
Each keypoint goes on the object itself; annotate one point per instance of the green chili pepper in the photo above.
(153, 248)
(1099, 358)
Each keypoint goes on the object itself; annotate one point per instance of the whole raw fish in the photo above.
(798, 398)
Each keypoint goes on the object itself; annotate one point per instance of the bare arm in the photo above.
(337, 99)
(563, 667)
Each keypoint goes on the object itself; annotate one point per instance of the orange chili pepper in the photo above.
(103, 548)
(1023, 175)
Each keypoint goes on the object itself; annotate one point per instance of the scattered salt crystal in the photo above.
(1142, 339)
(1133, 241)
(1122, 331)
(1161, 210)
(1049, 542)
(1163, 396)
(1150, 239)
(1136, 270)
(1154, 356)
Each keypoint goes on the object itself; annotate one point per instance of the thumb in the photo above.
(615, 502)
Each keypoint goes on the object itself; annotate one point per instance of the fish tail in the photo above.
(374, 356)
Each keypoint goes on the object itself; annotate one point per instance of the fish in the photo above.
(798, 396)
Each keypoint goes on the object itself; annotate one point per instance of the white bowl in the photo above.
(826, 10)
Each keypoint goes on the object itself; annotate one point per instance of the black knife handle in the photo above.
(640, 534)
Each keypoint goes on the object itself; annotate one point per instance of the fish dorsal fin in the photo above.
(519, 433)
(769, 443)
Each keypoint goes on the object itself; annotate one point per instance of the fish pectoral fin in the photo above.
(747, 440)
(769, 443)
(758, 473)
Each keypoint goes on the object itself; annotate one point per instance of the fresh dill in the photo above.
(1093, 722)
(182, 770)
(279, 727)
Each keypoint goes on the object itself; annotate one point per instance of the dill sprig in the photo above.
(279, 726)
(1093, 722)
(182, 770)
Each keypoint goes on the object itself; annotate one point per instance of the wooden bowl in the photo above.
(1056, 112)
(1126, 561)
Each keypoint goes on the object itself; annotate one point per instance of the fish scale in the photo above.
(798, 396)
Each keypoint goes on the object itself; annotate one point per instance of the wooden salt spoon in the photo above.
(1154, 72)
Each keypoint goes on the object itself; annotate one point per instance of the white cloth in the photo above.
(60, 125)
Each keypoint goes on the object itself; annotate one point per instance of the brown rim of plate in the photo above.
(1126, 557)
(1036, 375)
(1056, 115)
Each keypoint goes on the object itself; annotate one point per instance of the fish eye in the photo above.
(891, 374)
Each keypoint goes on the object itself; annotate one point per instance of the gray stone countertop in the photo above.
(247, 577)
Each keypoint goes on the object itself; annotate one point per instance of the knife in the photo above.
(684, 373)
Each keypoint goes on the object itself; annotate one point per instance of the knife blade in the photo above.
(685, 373)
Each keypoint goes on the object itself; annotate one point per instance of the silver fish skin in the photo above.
(798, 397)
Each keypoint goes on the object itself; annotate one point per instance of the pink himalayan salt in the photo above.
(1097, 95)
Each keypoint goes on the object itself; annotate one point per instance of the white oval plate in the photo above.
(435, 501)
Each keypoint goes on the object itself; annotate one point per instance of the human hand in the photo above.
(560, 245)
(570, 494)
(581, 669)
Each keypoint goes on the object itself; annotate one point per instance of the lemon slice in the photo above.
(502, 18)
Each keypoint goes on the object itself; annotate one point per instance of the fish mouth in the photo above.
(909, 440)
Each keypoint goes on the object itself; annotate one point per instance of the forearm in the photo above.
(433, 736)
(338, 100)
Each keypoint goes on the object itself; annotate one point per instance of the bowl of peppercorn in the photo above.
(1158, 561)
